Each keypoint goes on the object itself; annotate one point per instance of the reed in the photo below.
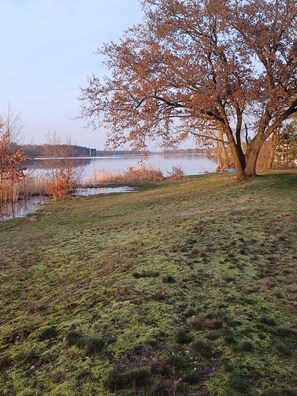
(32, 186)
(143, 173)
(104, 177)
(22, 189)
(140, 173)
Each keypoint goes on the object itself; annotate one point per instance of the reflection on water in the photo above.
(90, 167)
(87, 192)
(50, 163)
(22, 207)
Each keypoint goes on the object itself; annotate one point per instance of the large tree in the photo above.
(221, 70)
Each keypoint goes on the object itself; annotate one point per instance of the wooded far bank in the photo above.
(40, 151)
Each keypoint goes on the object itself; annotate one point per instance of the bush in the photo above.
(229, 337)
(267, 321)
(169, 279)
(178, 362)
(203, 348)
(201, 321)
(183, 337)
(143, 173)
(136, 378)
(240, 384)
(246, 346)
(93, 345)
(48, 333)
(60, 185)
(283, 349)
(192, 378)
(5, 362)
(146, 274)
(176, 173)
(74, 338)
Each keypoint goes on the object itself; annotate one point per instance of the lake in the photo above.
(25, 206)
(88, 167)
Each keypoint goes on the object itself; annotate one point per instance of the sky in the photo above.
(47, 52)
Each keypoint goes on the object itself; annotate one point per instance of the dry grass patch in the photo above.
(142, 173)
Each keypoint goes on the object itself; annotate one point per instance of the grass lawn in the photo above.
(183, 288)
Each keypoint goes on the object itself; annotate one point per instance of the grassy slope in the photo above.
(184, 288)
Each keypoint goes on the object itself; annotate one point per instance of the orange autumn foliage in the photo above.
(60, 185)
(11, 170)
(221, 71)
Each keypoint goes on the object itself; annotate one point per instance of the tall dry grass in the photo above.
(22, 189)
(105, 177)
(12, 192)
(131, 175)
(34, 185)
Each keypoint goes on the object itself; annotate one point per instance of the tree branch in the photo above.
(291, 110)
(209, 137)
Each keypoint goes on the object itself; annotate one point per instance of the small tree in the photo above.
(200, 67)
(61, 184)
(62, 177)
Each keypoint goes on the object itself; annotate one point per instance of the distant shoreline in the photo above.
(107, 154)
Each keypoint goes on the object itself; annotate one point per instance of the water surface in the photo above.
(90, 191)
(22, 207)
(87, 168)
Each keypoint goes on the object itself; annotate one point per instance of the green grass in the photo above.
(184, 288)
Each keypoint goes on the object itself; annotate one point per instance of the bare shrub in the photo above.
(176, 173)
(142, 173)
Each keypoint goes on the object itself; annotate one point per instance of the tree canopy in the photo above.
(221, 70)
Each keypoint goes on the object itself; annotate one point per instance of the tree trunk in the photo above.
(237, 162)
(237, 159)
(245, 166)
(220, 157)
(225, 156)
(250, 168)
(273, 143)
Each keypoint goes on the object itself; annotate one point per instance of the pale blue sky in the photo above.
(47, 51)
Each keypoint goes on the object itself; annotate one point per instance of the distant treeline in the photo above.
(46, 150)
(117, 152)
(65, 150)
(194, 151)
